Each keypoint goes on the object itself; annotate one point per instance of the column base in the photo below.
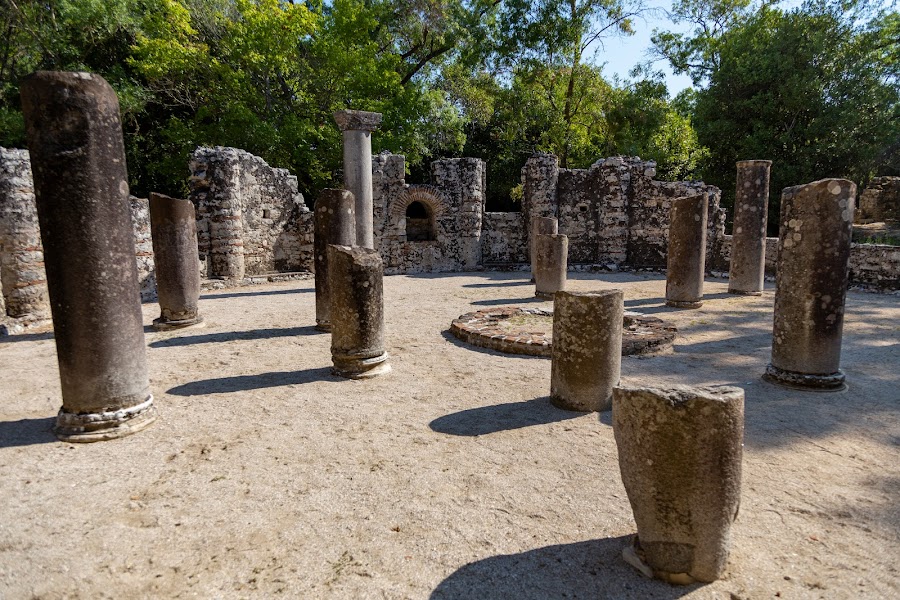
(97, 427)
(576, 406)
(544, 295)
(161, 324)
(684, 303)
(634, 556)
(355, 367)
(744, 292)
(834, 382)
(323, 326)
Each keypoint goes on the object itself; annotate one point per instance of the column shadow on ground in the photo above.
(498, 284)
(27, 432)
(243, 383)
(501, 417)
(230, 336)
(26, 337)
(532, 299)
(591, 569)
(214, 296)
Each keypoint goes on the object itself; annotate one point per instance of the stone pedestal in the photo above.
(687, 252)
(680, 457)
(746, 275)
(173, 226)
(540, 226)
(811, 285)
(357, 127)
(81, 188)
(335, 223)
(587, 349)
(551, 256)
(21, 257)
(357, 312)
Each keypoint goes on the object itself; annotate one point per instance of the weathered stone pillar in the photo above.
(24, 284)
(811, 284)
(540, 226)
(357, 127)
(687, 251)
(226, 229)
(587, 349)
(551, 258)
(357, 312)
(173, 226)
(746, 274)
(81, 188)
(680, 457)
(335, 223)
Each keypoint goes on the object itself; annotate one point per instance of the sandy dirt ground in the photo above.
(452, 477)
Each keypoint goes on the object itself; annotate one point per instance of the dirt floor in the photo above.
(451, 477)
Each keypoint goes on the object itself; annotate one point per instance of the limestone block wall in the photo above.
(875, 265)
(614, 213)
(22, 277)
(251, 219)
(503, 238)
(452, 207)
(880, 201)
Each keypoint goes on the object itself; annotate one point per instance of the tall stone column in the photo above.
(540, 226)
(811, 284)
(335, 223)
(680, 452)
(551, 257)
(686, 260)
(24, 284)
(173, 226)
(357, 127)
(747, 272)
(587, 349)
(81, 188)
(226, 228)
(357, 312)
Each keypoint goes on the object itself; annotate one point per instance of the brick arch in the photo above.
(428, 195)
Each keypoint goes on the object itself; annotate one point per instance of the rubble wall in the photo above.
(880, 201)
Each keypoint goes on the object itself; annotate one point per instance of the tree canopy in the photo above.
(813, 88)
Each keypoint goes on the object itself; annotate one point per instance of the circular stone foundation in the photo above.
(529, 331)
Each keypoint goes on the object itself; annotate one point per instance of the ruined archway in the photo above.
(415, 213)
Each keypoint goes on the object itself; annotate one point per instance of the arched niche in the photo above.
(416, 211)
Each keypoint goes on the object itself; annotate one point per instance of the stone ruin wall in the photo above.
(22, 277)
(879, 202)
(454, 202)
(251, 219)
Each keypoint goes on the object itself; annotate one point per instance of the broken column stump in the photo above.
(357, 312)
(680, 454)
(540, 226)
(686, 259)
(551, 256)
(81, 189)
(811, 285)
(357, 127)
(335, 223)
(746, 274)
(173, 227)
(587, 349)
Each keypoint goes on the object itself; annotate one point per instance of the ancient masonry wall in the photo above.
(614, 213)
(22, 276)
(453, 205)
(251, 220)
(880, 201)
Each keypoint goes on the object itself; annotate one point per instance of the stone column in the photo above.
(687, 252)
(746, 275)
(24, 284)
(357, 312)
(357, 127)
(226, 227)
(173, 226)
(680, 457)
(811, 284)
(81, 188)
(551, 256)
(335, 223)
(587, 349)
(540, 226)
